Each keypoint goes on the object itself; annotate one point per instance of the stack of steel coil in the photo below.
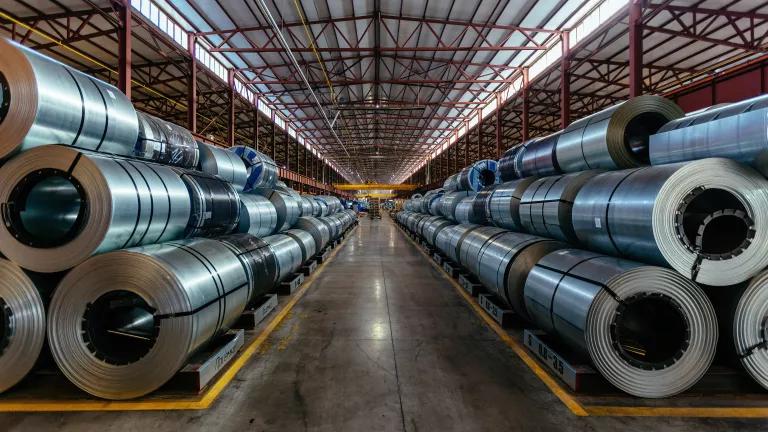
(503, 207)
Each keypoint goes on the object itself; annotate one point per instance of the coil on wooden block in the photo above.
(123, 323)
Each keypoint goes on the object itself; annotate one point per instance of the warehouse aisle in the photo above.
(381, 342)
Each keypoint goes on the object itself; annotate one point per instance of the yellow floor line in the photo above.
(563, 394)
(203, 401)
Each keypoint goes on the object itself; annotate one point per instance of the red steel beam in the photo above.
(635, 48)
(565, 82)
(525, 116)
(192, 86)
(124, 49)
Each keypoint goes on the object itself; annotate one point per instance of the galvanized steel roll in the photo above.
(166, 143)
(46, 102)
(503, 263)
(224, 164)
(432, 228)
(307, 206)
(536, 157)
(465, 211)
(262, 170)
(449, 240)
(215, 205)
(546, 205)
(481, 212)
(334, 226)
(504, 203)
(258, 216)
(616, 137)
(450, 201)
(429, 199)
(317, 210)
(22, 320)
(648, 330)
(707, 219)
(468, 250)
(333, 203)
(735, 131)
(324, 211)
(288, 253)
(744, 318)
(258, 260)
(306, 243)
(123, 323)
(61, 205)
(507, 171)
(288, 207)
(319, 230)
(451, 184)
(480, 174)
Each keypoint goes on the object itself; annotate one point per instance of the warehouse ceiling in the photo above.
(394, 78)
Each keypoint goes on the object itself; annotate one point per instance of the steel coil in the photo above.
(224, 164)
(464, 212)
(324, 211)
(287, 206)
(547, 204)
(317, 210)
(706, 219)
(743, 314)
(262, 170)
(734, 131)
(451, 183)
(287, 252)
(507, 171)
(334, 226)
(22, 320)
(166, 143)
(436, 205)
(215, 205)
(450, 201)
(503, 260)
(481, 211)
(428, 200)
(504, 204)
(648, 330)
(333, 203)
(449, 240)
(258, 216)
(432, 228)
(123, 323)
(306, 243)
(536, 157)
(45, 102)
(468, 250)
(61, 205)
(616, 137)
(258, 260)
(307, 205)
(480, 174)
(319, 230)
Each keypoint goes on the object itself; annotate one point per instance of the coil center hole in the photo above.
(487, 177)
(715, 223)
(638, 132)
(120, 327)
(5, 97)
(47, 209)
(650, 331)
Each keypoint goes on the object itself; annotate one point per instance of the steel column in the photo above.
(525, 117)
(635, 48)
(565, 81)
(498, 126)
(466, 144)
(192, 85)
(231, 110)
(272, 141)
(256, 128)
(124, 48)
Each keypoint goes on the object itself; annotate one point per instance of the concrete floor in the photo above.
(381, 342)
